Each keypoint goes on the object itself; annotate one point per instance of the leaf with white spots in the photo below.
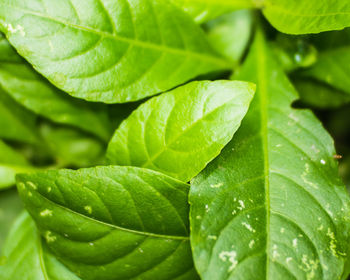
(113, 222)
(284, 212)
(112, 51)
(26, 257)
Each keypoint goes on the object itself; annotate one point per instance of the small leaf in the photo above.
(179, 132)
(271, 206)
(32, 91)
(11, 162)
(113, 222)
(109, 51)
(27, 258)
(311, 16)
(204, 10)
(16, 122)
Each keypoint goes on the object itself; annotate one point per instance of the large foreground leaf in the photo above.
(27, 258)
(110, 51)
(204, 10)
(311, 16)
(32, 91)
(179, 132)
(283, 211)
(113, 222)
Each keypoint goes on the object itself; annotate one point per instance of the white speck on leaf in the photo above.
(46, 213)
(323, 161)
(88, 209)
(251, 243)
(218, 185)
(295, 242)
(14, 30)
(229, 256)
(32, 185)
(50, 237)
(248, 226)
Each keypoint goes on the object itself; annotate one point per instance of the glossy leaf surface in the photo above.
(113, 222)
(179, 132)
(110, 51)
(271, 206)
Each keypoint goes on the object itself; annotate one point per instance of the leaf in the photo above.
(71, 147)
(204, 10)
(332, 68)
(29, 89)
(312, 16)
(230, 34)
(113, 222)
(10, 207)
(27, 258)
(284, 212)
(11, 162)
(179, 132)
(319, 95)
(16, 122)
(109, 51)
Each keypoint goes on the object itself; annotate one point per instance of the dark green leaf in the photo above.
(271, 206)
(113, 222)
(179, 132)
(110, 51)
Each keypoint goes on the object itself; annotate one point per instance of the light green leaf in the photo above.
(284, 212)
(179, 132)
(319, 95)
(113, 222)
(16, 122)
(26, 257)
(311, 16)
(204, 10)
(230, 33)
(11, 162)
(110, 51)
(32, 91)
(332, 68)
(71, 147)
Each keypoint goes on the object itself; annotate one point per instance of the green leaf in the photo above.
(311, 16)
(204, 10)
(71, 147)
(32, 91)
(11, 162)
(26, 257)
(16, 122)
(179, 132)
(271, 206)
(332, 68)
(113, 222)
(110, 51)
(230, 33)
(319, 95)
(10, 207)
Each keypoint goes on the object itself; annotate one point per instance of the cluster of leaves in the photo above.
(207, 168)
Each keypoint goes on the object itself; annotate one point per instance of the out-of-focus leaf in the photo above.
(27, 257)
(35, 93)
(16, 122)
(10, 207)
(230, 33)
(71, 147)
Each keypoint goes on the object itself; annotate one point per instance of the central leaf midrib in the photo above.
(263, 102)
(216, 60)
(149, 234)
